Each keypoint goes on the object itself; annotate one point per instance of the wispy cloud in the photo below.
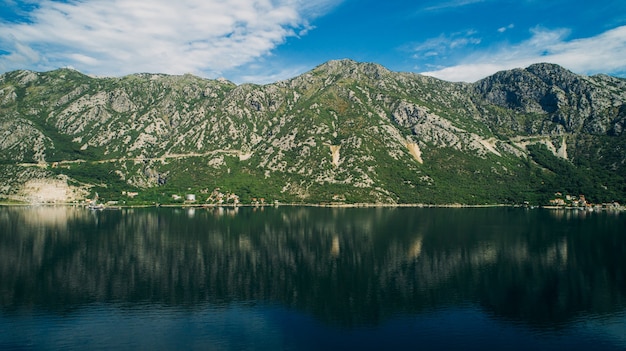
(453, 4)
(444, 44)
(272, 75)
(116, 37)
(602, 53)
(504, 29)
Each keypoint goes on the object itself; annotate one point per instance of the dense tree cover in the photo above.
(588, 178)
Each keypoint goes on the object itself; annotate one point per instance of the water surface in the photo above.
(311, 278)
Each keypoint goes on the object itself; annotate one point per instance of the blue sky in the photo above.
(263, 41)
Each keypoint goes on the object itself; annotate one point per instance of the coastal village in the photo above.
(57, 192)
(215, 197)
(579, 202)
(219, 198)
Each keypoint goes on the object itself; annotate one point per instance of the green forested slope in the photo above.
(343, 132)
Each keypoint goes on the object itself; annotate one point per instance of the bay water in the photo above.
(305, 278)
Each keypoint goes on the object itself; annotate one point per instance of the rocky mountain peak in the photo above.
(555, 75)
(548, 69)
(573, 102)
(352, 69)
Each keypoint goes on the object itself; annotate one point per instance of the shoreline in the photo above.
(289, 204)
(319, 205)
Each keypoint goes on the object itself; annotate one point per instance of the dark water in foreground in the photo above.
(311, 279)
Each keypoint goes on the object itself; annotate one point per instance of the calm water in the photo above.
(311, 279)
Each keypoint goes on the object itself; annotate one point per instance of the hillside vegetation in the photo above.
(345, 132)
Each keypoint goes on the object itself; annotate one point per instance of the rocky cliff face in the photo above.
(344, 131)
(568, 103)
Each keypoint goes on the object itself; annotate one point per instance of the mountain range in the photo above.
(344, 132)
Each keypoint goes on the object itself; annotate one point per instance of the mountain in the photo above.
(345, 132)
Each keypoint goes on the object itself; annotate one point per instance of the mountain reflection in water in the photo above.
(344, 267)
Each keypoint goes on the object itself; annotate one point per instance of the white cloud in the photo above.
(274, 75)
(116, 37)
(603, 53)
(444, 44)
(504, 29)
(453, 4)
